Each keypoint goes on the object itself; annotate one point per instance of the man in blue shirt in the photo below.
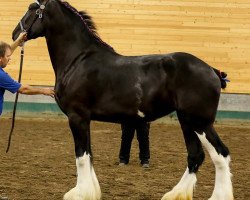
(6, 82)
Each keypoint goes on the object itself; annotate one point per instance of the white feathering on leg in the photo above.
(184, 189)
(96, 183)
(87, 187)
(223, 189)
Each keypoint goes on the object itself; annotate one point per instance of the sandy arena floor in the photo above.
(41, 161)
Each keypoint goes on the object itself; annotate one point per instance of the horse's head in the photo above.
(60, 23)
(34, 20)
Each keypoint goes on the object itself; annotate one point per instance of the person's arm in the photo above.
(21, 38)
(29, 90)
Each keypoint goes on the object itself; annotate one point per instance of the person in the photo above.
(6, 82)
(128, 132)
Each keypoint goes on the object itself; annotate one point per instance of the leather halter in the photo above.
(39, 14)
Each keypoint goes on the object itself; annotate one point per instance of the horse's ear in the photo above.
(42, 1)
(39, 1)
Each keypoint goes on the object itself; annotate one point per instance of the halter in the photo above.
(39, 14)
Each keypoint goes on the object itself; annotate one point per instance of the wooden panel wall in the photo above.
(216, 31)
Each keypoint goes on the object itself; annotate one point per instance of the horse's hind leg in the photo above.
(184, 189)
(87, 187)
(219, 154)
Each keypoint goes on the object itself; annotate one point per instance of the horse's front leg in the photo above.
(87, 186)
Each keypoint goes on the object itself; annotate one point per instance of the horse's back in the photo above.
(177, 81)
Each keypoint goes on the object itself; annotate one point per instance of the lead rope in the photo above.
(16, 99)
(39, 13)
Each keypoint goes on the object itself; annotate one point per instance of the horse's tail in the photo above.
(222, 76)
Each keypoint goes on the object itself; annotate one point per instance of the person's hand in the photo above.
(49, 92)
(21, 38)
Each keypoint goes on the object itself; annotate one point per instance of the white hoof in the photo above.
(184, 189)
(77, 194)
(87, 187)
(73, 194)
(222, 196)
(177, 195)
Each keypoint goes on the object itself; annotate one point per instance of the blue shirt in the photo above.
(6, 83)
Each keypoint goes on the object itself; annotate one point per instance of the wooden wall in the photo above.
(216, 31)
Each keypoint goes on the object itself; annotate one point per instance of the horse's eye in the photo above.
(33, 6)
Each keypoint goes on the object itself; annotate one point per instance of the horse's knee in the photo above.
(195, 161)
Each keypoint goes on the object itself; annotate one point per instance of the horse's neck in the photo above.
(67, 37)
(66, 46)
(60, 49)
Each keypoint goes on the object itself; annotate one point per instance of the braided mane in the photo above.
(87, 21)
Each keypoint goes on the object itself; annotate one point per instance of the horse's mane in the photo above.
(87, 22)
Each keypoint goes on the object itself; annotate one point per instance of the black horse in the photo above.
(93, 82)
